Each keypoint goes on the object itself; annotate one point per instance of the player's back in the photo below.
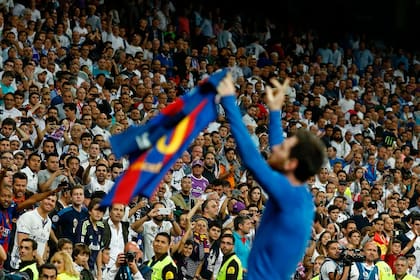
(282, 236)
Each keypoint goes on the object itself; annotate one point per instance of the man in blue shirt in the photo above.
(242, 226)
(67, 220)
(285, 226)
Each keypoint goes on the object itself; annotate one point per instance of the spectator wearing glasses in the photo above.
(6, 160)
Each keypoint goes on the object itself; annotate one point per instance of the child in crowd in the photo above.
(90, 231)
(105, 253)
(65, 244)
(81, 253)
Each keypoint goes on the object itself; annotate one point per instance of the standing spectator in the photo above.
(211, 167)
(183, 199)
(90, 231)
(256, 197)
(177, 175)
(242, 225)
(162, 264)
(64, 198)
(408, 237)
(412, 269)
(165, 58)
(34, 224)
(331, 268)
(182, 253)
(371, 173)
(102, 126)
(231, 267)
(163, 194)
(8, 212)
(155, 33)
(86, 140)
(128, 265)
(157, 223)
(255, 49)
(53, 175)
(199, 182)
(115, 232)
(113, 36)
(93, 20)
(100, 181)
(230, 168)
(67, 220)
(363, 57)
(213, 260)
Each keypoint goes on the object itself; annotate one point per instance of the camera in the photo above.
(348, 256)
(130, 256)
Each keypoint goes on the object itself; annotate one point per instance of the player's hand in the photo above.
(276, 94)
(226, 86)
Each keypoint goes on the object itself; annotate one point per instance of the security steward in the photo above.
(28, 260)
(163, 266)
(231, 268)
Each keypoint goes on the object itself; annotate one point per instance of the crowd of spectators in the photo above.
(75, 74)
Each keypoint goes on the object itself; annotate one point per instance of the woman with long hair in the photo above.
(256, 197)
(394, 183)
(321, 245)
(358, 177)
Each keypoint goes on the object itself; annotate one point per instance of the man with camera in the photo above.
(128, 265)
(159, 219)
(334, 268)
(352, 265)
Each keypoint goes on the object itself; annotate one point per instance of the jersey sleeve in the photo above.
(274, 183)
(275, 128)
(23, 224)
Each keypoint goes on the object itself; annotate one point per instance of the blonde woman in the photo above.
(65, 268)
(313, 272)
